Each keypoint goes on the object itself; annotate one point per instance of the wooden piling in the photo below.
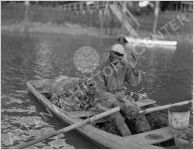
(101, 20)
(26, 16)
(156, 14)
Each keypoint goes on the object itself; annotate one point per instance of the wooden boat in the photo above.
(154, 139)
(150, 42)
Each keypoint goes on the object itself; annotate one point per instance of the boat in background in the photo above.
(150, 42)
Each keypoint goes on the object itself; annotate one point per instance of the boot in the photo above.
(142, 124)
(124, 130)
(132, 112)
(119, 121)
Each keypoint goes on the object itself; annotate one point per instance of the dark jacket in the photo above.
(110, 79)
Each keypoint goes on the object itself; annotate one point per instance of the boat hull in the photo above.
(100, 137)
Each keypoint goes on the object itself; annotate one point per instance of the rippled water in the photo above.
(34, 56)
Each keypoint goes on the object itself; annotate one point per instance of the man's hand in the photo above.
(107, 98)
(112, 100)
(129, 60)
(131, 110)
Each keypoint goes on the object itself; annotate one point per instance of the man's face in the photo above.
(115, 57)
(122, 41)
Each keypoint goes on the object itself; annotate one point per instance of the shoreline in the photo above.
(77, 29)
(50, 28)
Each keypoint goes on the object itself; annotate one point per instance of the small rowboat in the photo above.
(153, 139)
(150, 42)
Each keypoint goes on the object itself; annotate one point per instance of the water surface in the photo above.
(26, 57)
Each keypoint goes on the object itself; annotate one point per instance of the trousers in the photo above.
(139, 122)
(127, 113)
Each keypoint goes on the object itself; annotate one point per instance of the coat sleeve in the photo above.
(132, 75)
(101, 91)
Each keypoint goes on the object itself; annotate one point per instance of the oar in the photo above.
(153, 109)
(96, 117)
(71, 127)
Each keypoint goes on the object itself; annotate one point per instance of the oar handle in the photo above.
(149, 110)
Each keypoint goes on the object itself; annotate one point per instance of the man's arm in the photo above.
(132, 74)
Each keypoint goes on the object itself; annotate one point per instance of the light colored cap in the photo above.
(118, 48)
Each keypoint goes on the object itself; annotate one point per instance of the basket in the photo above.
(178, 117)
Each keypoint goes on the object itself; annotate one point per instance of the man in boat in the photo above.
(128, 50)
(111, 78)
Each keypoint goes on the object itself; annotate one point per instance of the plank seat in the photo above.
(152, 137)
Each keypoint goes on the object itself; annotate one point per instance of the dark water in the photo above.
(25, 57)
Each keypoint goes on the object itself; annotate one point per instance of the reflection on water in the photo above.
(168, 78)
(43, 66)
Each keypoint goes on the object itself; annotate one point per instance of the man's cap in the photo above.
(118, 48)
